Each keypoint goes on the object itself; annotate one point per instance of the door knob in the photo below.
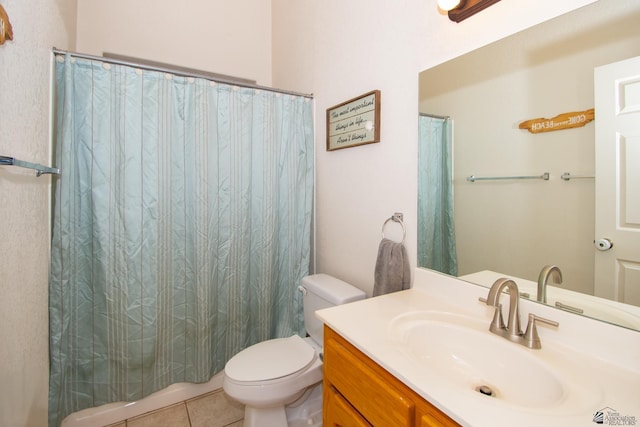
(603, 244)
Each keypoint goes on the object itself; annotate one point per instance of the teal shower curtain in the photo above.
(181, 228)
(436, 231)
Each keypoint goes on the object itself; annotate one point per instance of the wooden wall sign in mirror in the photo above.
(562, 121)
(6, 31)
(354, 122)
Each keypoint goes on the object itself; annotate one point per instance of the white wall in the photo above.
(220, 36)
(24, 205)
(338, 50)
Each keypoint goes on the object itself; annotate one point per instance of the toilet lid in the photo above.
(270, 359)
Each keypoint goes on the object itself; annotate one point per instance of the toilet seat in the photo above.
(269, 360)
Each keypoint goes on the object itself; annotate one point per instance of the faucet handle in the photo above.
(531, 338)
(498, 322)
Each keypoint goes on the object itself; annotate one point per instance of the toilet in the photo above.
(280, 380)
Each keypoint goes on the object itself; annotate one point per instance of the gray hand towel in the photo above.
(392, 268)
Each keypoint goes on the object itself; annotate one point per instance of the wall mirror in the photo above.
(514, 227)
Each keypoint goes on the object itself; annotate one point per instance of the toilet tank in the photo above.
(322, 291)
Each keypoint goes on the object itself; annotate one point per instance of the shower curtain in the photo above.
(181, 228)
(436, 232)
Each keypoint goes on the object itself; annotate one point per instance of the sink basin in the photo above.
(460, 352)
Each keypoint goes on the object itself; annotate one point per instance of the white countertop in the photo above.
(608, 378)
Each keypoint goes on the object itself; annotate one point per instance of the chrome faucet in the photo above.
(512, 330)
(548, 271)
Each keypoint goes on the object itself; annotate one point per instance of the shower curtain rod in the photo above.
(176, 71)
(435, 116)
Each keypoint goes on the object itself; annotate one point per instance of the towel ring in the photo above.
(396, 217)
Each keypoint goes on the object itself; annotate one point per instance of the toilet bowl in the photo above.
(270, 375)
(274, 379)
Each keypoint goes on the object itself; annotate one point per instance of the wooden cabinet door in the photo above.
(365, 385)
(339, 413)
(434, 418)
(359, 392)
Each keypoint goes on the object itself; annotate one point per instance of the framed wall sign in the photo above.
(354, 122)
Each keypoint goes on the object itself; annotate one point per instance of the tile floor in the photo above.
(213, 409)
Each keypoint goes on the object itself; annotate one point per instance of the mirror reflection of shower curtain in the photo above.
(436, 233)
(181, 228)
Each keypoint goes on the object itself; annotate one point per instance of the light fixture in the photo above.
(459, 10)
(447, 5)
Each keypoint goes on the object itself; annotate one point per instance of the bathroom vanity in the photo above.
(359, 392)
(425, 357)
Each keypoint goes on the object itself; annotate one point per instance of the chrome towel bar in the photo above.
(567, 176)
(473, 178)
(10, 161)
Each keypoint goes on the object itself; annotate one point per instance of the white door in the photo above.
(617, 124)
